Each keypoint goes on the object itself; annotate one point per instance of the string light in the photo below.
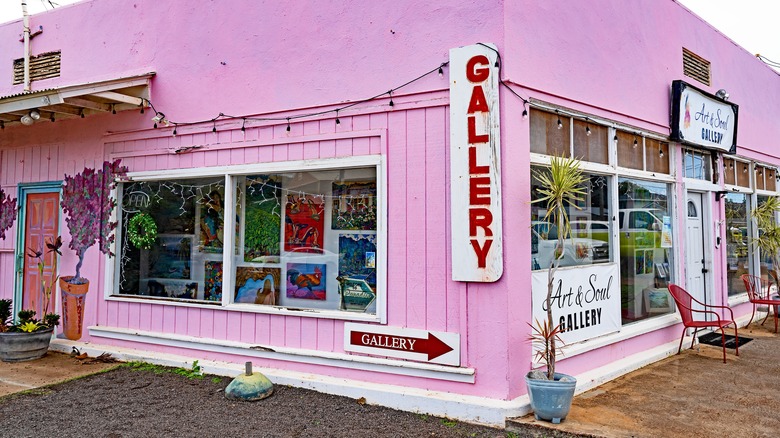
(214, 127)
(2, 124)
(587, 127)
(338, 122)
(560, 124)
(391, 98)
(441, 71)
(288, 124)
(636, 143)
(174, 131)
(615, 138)
(113, 108)
(661, 152)
(243, 125)
(81, 113)
(525, 111)
(51, 117)
(744, 168)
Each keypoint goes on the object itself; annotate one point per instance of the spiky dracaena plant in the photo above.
(560, 186)
(87, 202)
(7, 212)
(768, 240)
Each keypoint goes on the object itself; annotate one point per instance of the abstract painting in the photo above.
(212, 290)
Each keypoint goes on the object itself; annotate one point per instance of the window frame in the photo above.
(111, 281)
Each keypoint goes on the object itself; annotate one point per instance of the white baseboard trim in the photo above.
(340, 360)
(473, 409)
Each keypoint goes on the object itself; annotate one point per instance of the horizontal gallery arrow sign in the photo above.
(403, 343)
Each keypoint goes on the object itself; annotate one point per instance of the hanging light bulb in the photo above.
(338, 122)
(113, 108)
(34, 114)
(560, 124)
(636, 143)
(288, 124)
(615, 138)
(525, 113)
(243, 125)
(744, 168)
(441, 71)
(51, 117)
(661, 152)
(587, 131)
(26, 120)
(174, 131)
(391, 98)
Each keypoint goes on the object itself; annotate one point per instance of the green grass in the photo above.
(191, 373)
(449, 423)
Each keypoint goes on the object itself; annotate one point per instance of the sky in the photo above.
(750, 23)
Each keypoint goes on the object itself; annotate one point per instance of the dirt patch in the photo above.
(128, 402)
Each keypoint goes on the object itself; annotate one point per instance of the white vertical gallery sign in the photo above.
(475, 164)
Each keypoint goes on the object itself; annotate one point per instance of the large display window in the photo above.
(737, 241)
(590, 227)
(294, 240)
(646, 248)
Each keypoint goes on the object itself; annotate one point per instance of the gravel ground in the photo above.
(127, 402)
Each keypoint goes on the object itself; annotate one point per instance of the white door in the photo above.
(695, 263)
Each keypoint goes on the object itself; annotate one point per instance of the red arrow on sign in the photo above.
(433, 346)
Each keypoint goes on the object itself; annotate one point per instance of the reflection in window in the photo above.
(646, 248)
(767, 261)
(737, 251)
(590, 226)
(302, 240)
(697, 164)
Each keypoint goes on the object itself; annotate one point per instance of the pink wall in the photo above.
(245, 58)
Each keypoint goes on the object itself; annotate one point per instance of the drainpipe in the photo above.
(26, 22)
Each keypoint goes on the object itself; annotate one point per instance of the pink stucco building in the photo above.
(355, 199)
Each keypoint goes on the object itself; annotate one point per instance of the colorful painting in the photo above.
(263, 218)
(356, 295)
(306, 281)
(258, 285)
(171, 289)
(357, 257)
(658, 301)
(212, 227)
(649, 261)
(212, 289)
(639, 261)
(170, 258)
(354, 205)
(304, 223)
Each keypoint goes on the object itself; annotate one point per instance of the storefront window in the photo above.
(302, 240)
(737, 250)
(766, 260)
(646, 248)
(697, 164)
(590, 225)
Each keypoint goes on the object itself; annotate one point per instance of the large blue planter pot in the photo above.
(551, 399)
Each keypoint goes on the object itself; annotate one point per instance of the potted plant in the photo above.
(28, 338)
(551, 393)
(87, 202)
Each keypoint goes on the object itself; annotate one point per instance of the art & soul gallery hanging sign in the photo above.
(701, 119)
(585, 301)
(475, 164)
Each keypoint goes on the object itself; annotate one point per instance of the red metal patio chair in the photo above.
(757, 294)
(685, 302)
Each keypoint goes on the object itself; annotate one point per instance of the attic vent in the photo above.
(694, 66)
(43, 66)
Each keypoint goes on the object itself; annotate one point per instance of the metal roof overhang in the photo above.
(77, 100)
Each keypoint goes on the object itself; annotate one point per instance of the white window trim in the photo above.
(111, 280)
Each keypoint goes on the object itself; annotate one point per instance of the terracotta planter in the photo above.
(18, 347)
(73, 301)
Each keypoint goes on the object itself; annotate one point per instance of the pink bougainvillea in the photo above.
(7, 213)
(87, 202)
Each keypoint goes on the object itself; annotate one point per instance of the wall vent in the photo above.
(43, 66)
(696, 67)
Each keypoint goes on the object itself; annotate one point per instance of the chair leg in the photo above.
(736, 339)
(723, 342)
(752, 315)
(682, 336)
(695, 332)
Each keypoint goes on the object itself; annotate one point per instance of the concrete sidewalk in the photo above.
(693, 394)
(52, 368)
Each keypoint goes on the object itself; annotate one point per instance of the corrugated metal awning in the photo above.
(77, 100)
